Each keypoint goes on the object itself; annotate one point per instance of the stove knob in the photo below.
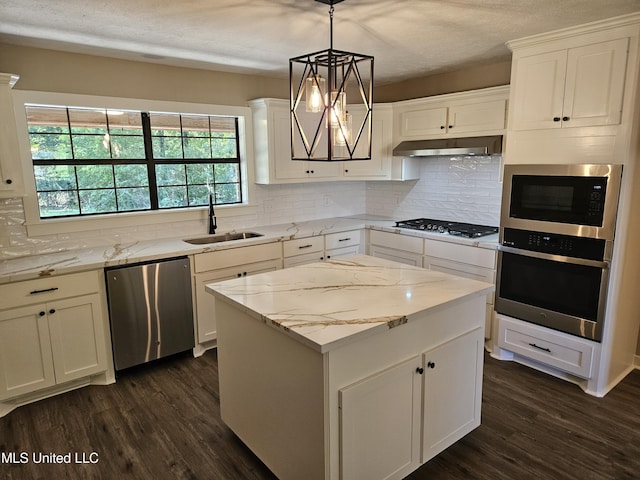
(441, 229)
(429, 226)
(422, 227)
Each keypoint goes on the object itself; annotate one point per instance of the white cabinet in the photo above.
(381, 145)
(272, 146)
(451, 408)
(224, 265)
(480, 112)
(378, 423)
(436, 400)
(576, 87)
(564, 352)
(342, 244)
(11, 183)
(47, 339)
(395, 247)
(301, 251)
(464, 261)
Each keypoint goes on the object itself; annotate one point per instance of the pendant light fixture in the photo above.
(331, 103)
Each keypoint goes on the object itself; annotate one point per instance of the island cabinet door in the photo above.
(452, 392)
(379, 424)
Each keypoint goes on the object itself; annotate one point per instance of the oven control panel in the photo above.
(566, 245)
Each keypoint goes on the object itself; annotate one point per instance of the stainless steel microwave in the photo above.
(579, 200)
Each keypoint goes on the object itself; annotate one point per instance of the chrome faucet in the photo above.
(212, 217)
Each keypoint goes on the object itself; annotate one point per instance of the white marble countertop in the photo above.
(37, 266)
(329, 304)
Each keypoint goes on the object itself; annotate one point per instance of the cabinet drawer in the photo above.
(555, 349)
(480, 257)
(342, 239)
(303, 246)
(236, 256)
(395, 241)
(462, 270)
(47, 289)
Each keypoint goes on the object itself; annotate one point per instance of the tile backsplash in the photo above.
(450, 188)
(465, 188)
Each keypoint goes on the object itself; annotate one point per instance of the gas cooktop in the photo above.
(457, 229)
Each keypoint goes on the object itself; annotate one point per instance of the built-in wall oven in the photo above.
(556, 240)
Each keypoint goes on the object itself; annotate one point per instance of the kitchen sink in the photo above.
(222, 237)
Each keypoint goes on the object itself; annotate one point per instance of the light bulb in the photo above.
(314, 86)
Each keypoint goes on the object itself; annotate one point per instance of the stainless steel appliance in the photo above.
(150, 310)
(579, 200)
(488, 145)
(556, 241)
(458, 229)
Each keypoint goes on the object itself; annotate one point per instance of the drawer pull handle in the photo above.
(540, 348)
(344, 239)
(431, 364)
(42, 314)
(35, 292)
(52, 311)
(419, 370)
(304, 246)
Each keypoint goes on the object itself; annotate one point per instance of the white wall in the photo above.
(465, 188)
(450, 188)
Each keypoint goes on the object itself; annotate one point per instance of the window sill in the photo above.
(53, 226)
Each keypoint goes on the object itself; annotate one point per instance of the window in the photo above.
(90, 161)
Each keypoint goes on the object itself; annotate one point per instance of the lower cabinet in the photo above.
(395, 247)
(451, 408)
(464, 261)
(224, 265)
(558, 350)
(205, 302)
(378, 419)
(401, 417)
(53, 342)
(301, 251)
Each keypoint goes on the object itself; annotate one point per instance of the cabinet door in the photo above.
(205, 302)
(474, 117)
(452, 392)
(595, 84)
(381, 144)
(285, 168)
(400, 256)
(11, 183)
(77, 337)
(342, 252)
(26, 362)
(538, 91)
(379, 418)
(418, 124)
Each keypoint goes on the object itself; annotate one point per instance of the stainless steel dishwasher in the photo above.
(150, 310)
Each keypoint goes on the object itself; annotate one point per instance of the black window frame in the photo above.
(149, 161)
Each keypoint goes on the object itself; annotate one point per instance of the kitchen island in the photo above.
(357, 368)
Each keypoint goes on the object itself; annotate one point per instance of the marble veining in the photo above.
(326, 304)
(77, 260)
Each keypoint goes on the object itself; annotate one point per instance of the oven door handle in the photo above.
(555, 258)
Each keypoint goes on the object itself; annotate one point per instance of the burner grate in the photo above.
(458, 229)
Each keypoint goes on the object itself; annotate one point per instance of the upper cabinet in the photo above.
(575, 87)
(11, 183)
(477, 112)
(573, 94)
(272, 147)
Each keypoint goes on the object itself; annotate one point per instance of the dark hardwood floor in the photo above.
(162, 422)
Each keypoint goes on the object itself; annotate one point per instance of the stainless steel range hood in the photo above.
(488, 145)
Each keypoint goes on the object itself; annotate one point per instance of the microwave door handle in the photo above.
(554, 258)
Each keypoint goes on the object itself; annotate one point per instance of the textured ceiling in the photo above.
(408, 38)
